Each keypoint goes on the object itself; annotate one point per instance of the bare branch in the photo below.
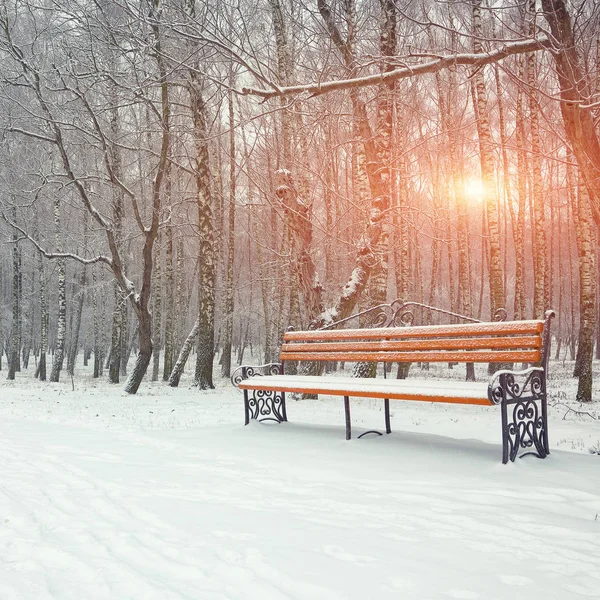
(433, 66)
(84, 261)
(31, 134)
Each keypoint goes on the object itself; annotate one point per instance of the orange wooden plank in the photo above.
(528, 356)
(247, 384)
(469, 329)
(511, 342)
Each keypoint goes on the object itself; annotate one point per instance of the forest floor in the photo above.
(165, 495)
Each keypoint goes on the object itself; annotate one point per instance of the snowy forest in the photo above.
(182, 181)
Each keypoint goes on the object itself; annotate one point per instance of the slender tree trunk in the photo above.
(73, 350)
(114, 367)
(156, 311)
(14, 347)
(97, 343)
(41, 370)
(184, 354)
(180, 306)
(519, 302)
(141, 302)
(540, 274)
(170, 308)
(228, 308)
(487, 170)
(57, 362)
(586, 243)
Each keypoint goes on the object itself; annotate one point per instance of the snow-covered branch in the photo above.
(70, 255)
(432, 66)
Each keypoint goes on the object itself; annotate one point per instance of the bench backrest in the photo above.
(506, 342)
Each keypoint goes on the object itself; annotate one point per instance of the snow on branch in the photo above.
(432, 66)
(70, 255)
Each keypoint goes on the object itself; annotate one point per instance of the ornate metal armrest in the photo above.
(247, 371)
(503, 387)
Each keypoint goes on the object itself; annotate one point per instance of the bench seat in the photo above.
(426, 390)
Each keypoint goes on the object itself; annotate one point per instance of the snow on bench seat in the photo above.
(454, 392)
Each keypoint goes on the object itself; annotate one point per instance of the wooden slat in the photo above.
(497, 343)
(531, 356)
(428, 331)
(424, 396)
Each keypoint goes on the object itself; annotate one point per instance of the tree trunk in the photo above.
(73, 350)
(144, 352)
(487, 170)
(203, 377)
(57, 362)
(519, 302)
(114, 368)
(228, 305)
(41, 370)
(183, 355)
(156, 311)
(170, 296)
(540, 274)
(141, 302)
(180, 306)
(586, 242)
(14, 347)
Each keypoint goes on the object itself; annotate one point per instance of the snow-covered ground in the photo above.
(165, 495)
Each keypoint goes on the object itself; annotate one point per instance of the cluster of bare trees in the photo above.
(183, 176)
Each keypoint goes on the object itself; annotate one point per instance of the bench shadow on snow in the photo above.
(387, 447)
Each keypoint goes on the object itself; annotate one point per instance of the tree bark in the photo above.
(171, 302)
(228, 304)
(59, 353)
(540, 274)
(586, 243)
(14, 346)
(183, 355)
(156, 310)
(496, 277)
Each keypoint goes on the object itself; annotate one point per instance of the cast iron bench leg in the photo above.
(246, 408)
(386, 404)
(347, 413)
(283, 408)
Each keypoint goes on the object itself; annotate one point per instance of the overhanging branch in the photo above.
(432, 66)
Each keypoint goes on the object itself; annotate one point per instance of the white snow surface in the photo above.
(166, 495)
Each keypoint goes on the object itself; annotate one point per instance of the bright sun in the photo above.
(473, 189)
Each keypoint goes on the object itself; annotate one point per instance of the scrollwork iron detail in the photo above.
(504, 387)
(266, 405)
(527, 430)
(261, 405)
(526, 402)
(399, 313)
(500, 315)
(247, 371)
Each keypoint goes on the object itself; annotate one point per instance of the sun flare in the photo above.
(473, 189)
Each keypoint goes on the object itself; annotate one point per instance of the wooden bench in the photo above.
(521, 394)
